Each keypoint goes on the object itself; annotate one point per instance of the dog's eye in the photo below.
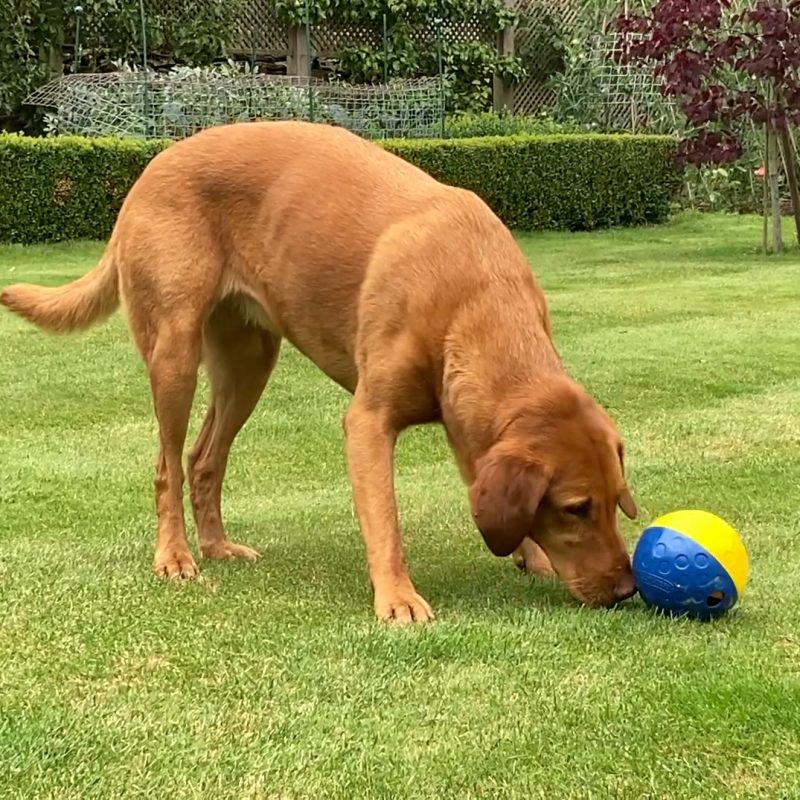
(580, 510)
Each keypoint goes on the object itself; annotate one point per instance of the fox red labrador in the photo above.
(410, 294)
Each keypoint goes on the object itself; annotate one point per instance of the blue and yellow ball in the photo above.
(691, 563)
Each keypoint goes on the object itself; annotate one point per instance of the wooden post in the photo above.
(297, 61)
(52, 55)
(502, 93)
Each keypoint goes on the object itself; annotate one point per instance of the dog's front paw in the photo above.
(401, 606)
(224, 549)
(530, 558)
(174, 563)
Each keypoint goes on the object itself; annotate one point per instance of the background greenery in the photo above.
(37, 39)
(556, 46)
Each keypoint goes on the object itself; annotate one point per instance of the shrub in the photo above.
(569, 181)
(60, 188)
(411, 46)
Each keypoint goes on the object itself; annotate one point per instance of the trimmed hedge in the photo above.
(567, 181)
(70, 187)
(66, 187)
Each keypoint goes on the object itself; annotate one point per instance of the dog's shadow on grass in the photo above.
(461, 584)
(473, 586)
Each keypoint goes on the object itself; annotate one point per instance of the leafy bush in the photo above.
(490, 123)
(68, 187)
(733, 188)
(25, 36)
(411, 49)
(36, 38)
(541, 35)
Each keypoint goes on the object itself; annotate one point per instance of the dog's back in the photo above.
(297, 216)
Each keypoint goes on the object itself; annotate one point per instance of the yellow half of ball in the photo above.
(718, 539)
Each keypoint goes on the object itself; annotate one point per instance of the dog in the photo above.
(410, 294)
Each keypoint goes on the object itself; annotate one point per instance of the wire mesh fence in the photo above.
(629, 93)
(178, 103)
(599, 90)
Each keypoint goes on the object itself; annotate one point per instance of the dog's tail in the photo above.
(73, 307)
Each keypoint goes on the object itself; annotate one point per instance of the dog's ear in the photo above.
(626, 501)
(504, 498)
(628, 504)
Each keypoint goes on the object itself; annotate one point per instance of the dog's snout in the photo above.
(625, 586)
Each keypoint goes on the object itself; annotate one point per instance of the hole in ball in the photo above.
(714, 599)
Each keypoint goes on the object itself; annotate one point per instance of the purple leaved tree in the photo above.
(724, 66)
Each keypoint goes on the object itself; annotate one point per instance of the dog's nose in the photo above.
(625, 586)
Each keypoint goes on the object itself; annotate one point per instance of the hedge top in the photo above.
(72, 141)
(527, 139)
(492, 141)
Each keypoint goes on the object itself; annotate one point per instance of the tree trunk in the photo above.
(790, 165)
(772, 167)
(765, 213)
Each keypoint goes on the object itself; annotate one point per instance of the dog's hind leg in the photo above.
(239, 358)
(170, 271)
(172, 362)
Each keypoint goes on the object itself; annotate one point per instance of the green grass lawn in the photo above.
(273, 680)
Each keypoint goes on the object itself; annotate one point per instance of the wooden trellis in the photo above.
(259, 30)
(530, 95)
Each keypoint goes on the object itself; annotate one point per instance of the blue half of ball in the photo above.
(675, 574)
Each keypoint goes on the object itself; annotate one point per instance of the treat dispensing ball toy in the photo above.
(690, 563)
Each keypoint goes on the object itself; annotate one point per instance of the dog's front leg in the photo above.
(371, 442)
(530, 557)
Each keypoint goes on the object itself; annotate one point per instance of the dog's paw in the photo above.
(225, 549)
(530, 558)
(401, 608)
(175, 564)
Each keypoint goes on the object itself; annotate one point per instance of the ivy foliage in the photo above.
(417, 39)
(494, 13)
(27, 29)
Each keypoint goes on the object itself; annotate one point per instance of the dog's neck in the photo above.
(487, 368)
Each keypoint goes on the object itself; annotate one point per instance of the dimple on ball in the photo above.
(691, 563)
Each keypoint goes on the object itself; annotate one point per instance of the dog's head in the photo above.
(556, 475)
